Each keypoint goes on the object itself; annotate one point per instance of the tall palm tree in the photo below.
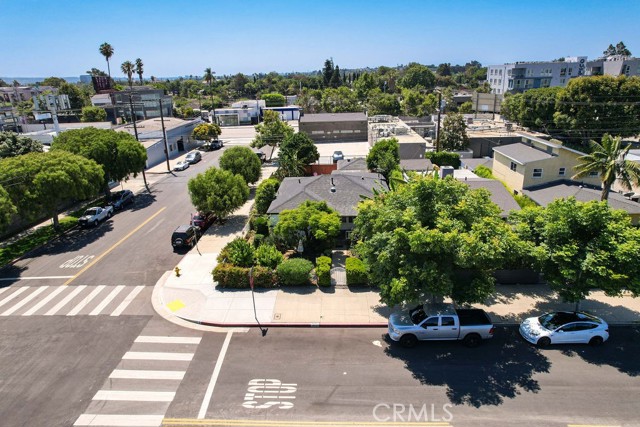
(107, 51)
(208, 77)
(140, 70)
(609, 160)
(127, 67)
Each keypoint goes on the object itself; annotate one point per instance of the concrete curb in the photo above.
(13, 261)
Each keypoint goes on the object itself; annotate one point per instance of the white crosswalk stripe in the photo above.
(127, 388)
(68, 300)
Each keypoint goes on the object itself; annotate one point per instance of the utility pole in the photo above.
(135, 131)
(438, 127)
(164, 136)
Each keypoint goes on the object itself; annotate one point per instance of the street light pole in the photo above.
(164, 136)
(135, 131)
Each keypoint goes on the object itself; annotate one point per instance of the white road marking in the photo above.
(3, 290)
(86, 300)
(124, 304)
(65, 301)
(13, 295)
(135, 396)
(214, 377)
(25, 301)
(377, 343)
(107, 300)
(42, 303)
(119, 420)
(135, 374)
(168, 340)
(34, 278)
(157, 355)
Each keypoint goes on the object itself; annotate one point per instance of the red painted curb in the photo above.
(288, 325)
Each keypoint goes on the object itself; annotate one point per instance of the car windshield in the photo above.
(198, 217)
(553, 321)
(91, 212)
(417, 315)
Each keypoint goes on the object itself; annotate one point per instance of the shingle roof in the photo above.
(357, 164)
(333, 117)
(416, 164)
(349, 188)
(472, 164)
(521, 153)
(499, 194)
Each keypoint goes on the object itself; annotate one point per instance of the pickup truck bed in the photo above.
(473, 316)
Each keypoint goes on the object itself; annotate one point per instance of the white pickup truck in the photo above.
(434, 322)
(94, 215)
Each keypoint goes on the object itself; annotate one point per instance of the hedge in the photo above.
(230, 276)
(323, 270)
(294, 272)
(356, 272)
(238, 252)
(443, 158)
(261, 225)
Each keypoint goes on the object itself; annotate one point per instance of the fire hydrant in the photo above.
(177, 270)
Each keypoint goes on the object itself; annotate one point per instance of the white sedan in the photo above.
(180, 166)
(565, 328)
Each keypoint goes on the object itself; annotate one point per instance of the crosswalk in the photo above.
(67, 300)
(140, 389)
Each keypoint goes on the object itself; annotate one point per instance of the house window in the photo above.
(562, 81)
(563, 71)
(529, 72)
(562, 171)
(317, 132)
(537, 173)
(513, 166)
(500, 72)
(570, 71)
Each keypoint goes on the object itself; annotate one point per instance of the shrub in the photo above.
(258, 239)
(265, 194)
(268, 256)
(237, 252)
(484, 172)
(294, 272)
(356, 272)
(443, 158)
(323, 270)
(261, 225)
(230, 276)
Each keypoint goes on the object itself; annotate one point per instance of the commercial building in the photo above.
(335, 127)
(246, 112)
(145, 101)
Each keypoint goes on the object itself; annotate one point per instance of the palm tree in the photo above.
(107, 51)
(609, 161)
(208, 77)
(140, 70)
(127, 67)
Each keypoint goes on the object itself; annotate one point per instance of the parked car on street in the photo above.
(203, 220)
(440, 322)
(565, 327)
(337, 155)
(181, 165)
(121, 198)
(193, 156)
(212, 145)
(185, 236)
(94, 215)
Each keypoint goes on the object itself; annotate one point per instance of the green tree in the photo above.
(434, 238)
(237, 252)
(274, 99)
(128, 69)
(466, 108)
(340, 100)
(13, 144)
(589, 107)
(218, 191)
(586, 246)
(268, 256)
(40, 183)
(272, 131)
(327, 72)
(443, 158)
(77, 98)
(7, 209)
(93, 114)
(417, 75)
(609, 161)
(139, 69)
(336, 79)
(444, 69)
(454, 133)
(611, 50)
(534, 108)
(621, 49)
(304, 147)
(207, 131)
(107, 51)
(315, 223)
(53, 81)
(265, 194)
(364, 85)
(384, 156)
(242, 161)
(383, 103)
(118, 153)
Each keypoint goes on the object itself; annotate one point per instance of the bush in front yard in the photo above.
(356, 272)
(237, 252)
(323, 270)
(230, 276)
(268, 256)
(261, 225)
(294, 272)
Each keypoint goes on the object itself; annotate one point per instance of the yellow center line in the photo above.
(265, 423)
(105, 253)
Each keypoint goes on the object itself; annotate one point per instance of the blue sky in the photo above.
(61, 37)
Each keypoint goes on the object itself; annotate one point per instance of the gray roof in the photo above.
(416, 164)
(333, 117)
(472, 164)
(412, 150)
(565, 189)
(522, 153)
(349, 188)
(357, 164)
(499, 194)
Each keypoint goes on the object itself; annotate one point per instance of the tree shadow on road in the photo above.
(11, 273)
(502, 368)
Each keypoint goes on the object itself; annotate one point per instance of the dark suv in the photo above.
(185, 236)
(121, 198)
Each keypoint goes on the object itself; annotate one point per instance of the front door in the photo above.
(180, 144)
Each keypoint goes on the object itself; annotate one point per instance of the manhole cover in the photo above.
(277, 316)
